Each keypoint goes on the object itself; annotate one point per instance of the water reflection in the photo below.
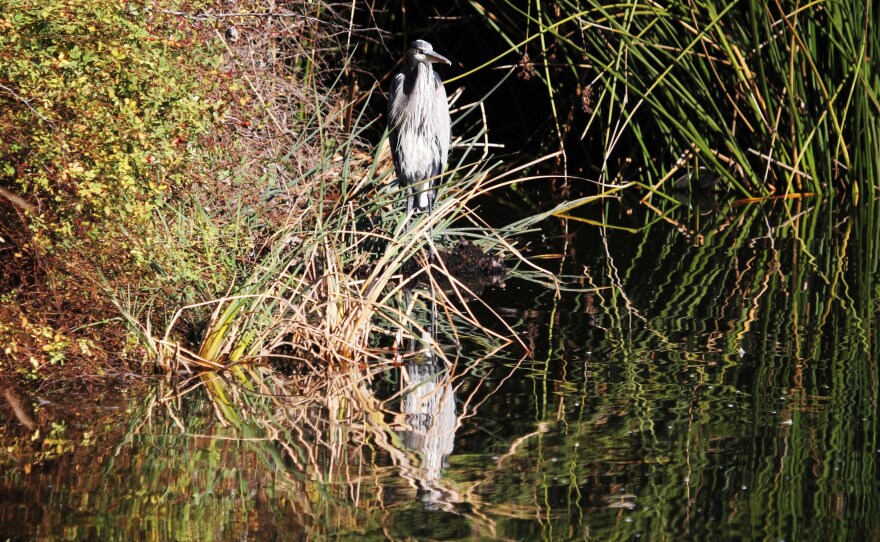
(428, 406)
(705, 379)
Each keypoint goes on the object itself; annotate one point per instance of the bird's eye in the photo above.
(421, 51)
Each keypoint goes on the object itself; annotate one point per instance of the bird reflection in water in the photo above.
(428, 406)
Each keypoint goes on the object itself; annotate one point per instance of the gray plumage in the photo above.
(419, 125)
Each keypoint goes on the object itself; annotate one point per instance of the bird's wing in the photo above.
(395, 100)
(444, 127)
(395, 109)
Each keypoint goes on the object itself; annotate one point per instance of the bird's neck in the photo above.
(423, 74)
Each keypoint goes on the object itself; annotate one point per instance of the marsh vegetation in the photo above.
(653, 311)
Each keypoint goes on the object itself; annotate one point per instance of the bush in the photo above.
(100, 100)
(102, 107)
(143, 159)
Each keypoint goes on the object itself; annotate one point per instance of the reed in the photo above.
(775, 98)
(324, 290)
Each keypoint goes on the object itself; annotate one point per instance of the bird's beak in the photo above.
(437, 57)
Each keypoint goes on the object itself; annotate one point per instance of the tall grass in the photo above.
(346, 282)
(342, 279)
(778, 97)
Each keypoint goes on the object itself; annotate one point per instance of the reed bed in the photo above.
(778, 98)
(344, 283)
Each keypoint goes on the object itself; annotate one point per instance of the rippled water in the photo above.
(719, 383)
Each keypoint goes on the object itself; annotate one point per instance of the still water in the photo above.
(709, 376)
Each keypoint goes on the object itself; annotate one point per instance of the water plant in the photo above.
(775, 98)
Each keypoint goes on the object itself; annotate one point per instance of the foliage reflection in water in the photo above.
(719, 383)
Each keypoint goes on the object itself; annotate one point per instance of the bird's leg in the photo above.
(407, 299)
(433, 330)
(432, 254)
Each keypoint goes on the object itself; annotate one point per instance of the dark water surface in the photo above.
(719, 385)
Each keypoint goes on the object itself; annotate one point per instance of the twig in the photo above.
(780, 164)
(206, 16)
(28, 104)
(17, 200)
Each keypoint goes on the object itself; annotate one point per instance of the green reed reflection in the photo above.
(719, 383)
(729, 389)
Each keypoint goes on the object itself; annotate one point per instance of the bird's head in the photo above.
(422, 51)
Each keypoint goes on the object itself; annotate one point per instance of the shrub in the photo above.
(99, 103)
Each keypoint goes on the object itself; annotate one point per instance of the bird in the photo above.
(419, 125)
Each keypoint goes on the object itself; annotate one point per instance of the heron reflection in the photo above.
(428, 406)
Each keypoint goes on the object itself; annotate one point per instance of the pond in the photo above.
(707, 375)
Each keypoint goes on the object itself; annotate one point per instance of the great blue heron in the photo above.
(419, 125)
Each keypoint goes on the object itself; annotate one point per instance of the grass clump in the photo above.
(772, 98)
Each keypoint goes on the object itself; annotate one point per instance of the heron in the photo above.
(419, 125)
